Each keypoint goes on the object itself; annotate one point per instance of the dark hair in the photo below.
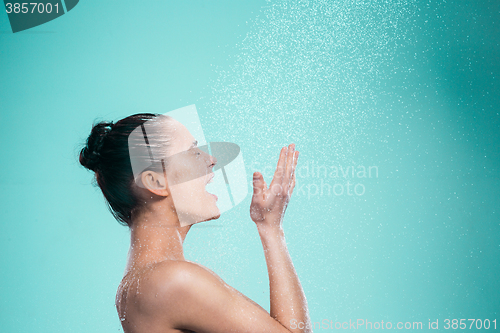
(106, 152)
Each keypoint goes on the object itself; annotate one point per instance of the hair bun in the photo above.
(90, 156)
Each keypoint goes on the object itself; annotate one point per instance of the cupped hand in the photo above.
(269, 204)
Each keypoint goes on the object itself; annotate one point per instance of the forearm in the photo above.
(288, 302)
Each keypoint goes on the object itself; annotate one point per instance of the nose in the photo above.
(213, 161)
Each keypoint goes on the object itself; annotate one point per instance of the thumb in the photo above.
(259, 185)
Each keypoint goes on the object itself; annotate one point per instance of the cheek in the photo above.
(185, 171)
(176, 176)
(189, 196)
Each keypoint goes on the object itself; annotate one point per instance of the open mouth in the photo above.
(212, 175)
(210, 180)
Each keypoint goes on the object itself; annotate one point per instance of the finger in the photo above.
(293, 181)
(289, 167)
(278, 174)
(292, 186)
(259, 185)
(294, 165)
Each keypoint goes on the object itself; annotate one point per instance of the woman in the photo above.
(162, 291)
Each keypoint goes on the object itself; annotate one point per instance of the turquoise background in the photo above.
(411, 87)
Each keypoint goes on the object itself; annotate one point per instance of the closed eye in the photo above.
(197, 151)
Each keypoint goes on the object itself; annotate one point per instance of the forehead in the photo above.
(181, 138)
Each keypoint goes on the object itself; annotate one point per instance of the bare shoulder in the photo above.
(185, 295)
(170, 284)
(159, 296)
(172, 276)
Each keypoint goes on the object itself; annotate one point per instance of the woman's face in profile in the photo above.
(189, 170)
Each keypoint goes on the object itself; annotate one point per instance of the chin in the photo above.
(211, 212)
(214, 215)
(211, 218)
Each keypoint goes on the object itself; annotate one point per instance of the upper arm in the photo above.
(200, 301)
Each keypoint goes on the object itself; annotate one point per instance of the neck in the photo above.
(155, 236)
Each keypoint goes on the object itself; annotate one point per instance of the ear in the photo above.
(155, 183)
